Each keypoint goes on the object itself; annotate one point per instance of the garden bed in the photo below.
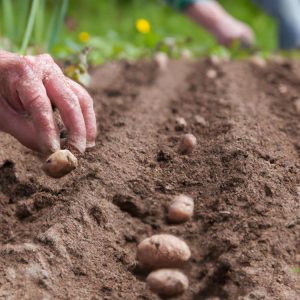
(76, 238)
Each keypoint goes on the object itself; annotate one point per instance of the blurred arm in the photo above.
(211, 16)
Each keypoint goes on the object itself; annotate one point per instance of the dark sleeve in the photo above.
(182, 4)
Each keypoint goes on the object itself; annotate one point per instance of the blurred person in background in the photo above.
(211, 16)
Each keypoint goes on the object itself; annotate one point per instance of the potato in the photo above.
(180, 123)
(217, 60)
(186, 54)
(167, 282)
(162, 60)
(181, 209)
(258, 61)
(211, 74)
(282, 89)
(162, 251)
(187, 144)
(60, 163)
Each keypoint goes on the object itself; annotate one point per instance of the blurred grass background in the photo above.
(113, 21)
(110, 27)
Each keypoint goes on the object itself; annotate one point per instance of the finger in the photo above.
(18, 126)
(87, 108)
(69, 108)
(34, 98)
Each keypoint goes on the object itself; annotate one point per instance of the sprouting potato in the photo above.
(187, 144)
(180, 123)
(60, 163)
(162, 251)
(167, 282)
(181, 209)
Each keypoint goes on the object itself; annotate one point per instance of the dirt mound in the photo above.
(76, 238)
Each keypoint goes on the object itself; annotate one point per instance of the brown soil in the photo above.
(76, 238)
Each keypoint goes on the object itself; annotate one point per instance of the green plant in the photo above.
(56, 22)
(28, 32)
(33, 15)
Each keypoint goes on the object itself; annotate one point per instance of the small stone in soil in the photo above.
(180, 124)
(200, 120)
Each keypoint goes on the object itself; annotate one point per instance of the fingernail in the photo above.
(49, 147)
(78, 146)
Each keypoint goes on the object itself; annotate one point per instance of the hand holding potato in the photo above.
(212, 16)
(29, 87)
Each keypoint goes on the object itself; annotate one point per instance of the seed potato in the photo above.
(60, 163)
(186, 54)
(187, 144)
(211, 74)
(258, 61)
(162, 251)
(167, 282)
(181, 209)
(162, 60)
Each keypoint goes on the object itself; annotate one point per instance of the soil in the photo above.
(76, 238)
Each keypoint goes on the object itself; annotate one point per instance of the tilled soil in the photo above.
(76, 238)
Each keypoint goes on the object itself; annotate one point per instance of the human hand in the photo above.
(29, 87)
(228, 30)
(212, 16)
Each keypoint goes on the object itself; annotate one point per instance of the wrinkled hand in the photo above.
(229, 30)
(29, 86)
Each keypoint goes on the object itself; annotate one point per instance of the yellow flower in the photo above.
(142, 26)
(84, 37)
